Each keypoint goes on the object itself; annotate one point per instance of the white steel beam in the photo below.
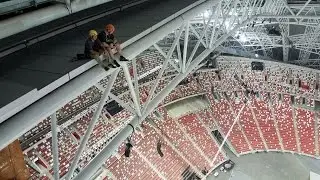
(304, 6)
(92, 123)
(288, 16)
(16, 126)
(135, 99)
(121, 103)
(197, 35)
(165, 55)
(179, 56)
(163, 68)
(135, 79)
(185, 47)
(97, 162)
(55, 148)
(213, 33)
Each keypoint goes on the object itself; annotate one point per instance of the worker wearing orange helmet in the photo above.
(94, 49)
(110, 42)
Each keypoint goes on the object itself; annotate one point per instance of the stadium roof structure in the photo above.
(276, 30)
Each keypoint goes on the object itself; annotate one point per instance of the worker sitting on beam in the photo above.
(110, 43)
(95, 50)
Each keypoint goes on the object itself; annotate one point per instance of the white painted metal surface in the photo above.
(230, 24)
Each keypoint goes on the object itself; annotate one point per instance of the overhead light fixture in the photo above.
(257, 55)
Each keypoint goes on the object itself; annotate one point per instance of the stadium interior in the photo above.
(213, 89)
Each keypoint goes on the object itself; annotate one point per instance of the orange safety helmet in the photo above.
(110, 28)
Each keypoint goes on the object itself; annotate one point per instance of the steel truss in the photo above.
(256, 36)
(234, 24)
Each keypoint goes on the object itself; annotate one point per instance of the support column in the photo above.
(296, 131)
(135, 99)
(154, 168)
(100, 87)
(192, 141)
(316, 131)
(259, 129)
(91, 125)
(55, 149)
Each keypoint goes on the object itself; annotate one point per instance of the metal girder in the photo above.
(136, 82)
(311, 63)
(91, 125)
(163, 68)
(55, 148)
(221, 29)
(132, 90)
(165, 55)
(304, 6)
(19, 124)
(96, 163)
(185, 47)
(285, 41)
(121, 103)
